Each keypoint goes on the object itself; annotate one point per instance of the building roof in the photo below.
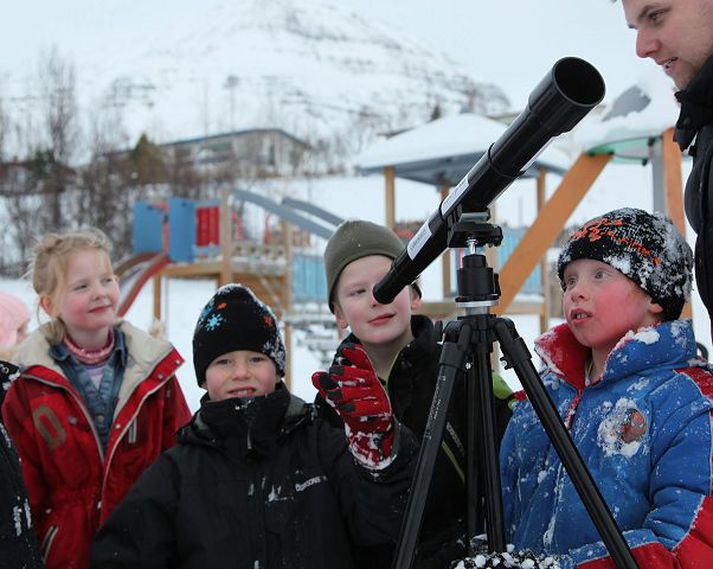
(236, 133)
(637, 117)
(443, 151)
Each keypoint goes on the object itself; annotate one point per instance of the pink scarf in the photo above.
(90, 357)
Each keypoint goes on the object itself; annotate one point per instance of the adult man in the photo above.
(678, 36)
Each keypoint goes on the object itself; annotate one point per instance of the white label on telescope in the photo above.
(537, 155)
(452, 198)
(419, 240)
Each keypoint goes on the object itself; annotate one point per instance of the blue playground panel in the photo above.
(308, 281)
(147, 232)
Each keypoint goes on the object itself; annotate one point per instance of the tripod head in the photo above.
(478, 285)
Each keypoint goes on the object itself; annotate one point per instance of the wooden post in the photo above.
(673, 190)
(287, 300)
(446, 256)
(226, 243)
(390, 196)
(548, 224)
(157, 296)
(672, 180)
(544, 273)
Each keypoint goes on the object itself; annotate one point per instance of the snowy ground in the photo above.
(362, 197)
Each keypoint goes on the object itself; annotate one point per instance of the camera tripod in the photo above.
(468, 343)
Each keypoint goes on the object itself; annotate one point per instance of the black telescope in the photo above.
(564, 96)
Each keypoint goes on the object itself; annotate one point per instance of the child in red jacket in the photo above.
(97, 400)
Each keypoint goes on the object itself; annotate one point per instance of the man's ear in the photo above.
(342, 323)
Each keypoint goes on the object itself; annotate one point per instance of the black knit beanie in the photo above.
(235, 319)
(645, 247)
(353, 240)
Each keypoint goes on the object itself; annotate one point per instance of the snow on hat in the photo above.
(645, 247)
(353, 240)
(235, 319)
(13, 314)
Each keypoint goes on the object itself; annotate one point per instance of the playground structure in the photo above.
(637, 129)
(188, 239)
(204, 239)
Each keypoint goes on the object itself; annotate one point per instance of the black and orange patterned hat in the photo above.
(645, 247)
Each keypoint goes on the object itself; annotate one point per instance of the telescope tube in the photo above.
(563, 97)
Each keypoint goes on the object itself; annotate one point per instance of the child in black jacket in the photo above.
(18, 544)
(405, 350)
(256, 480)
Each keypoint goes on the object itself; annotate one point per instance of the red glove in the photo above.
(352, 389)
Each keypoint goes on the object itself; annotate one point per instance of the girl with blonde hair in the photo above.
(96, 402)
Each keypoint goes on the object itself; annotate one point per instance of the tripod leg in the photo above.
(518, 357)
(490, 465)
(451, 362)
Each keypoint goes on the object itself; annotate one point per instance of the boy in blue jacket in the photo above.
(624, 375)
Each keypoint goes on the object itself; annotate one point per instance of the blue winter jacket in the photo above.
(644, 431)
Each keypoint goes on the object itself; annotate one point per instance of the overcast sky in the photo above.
(512, 44)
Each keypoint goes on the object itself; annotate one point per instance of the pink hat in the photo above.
(13, 314)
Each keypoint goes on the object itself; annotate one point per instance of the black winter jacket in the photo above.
(410, 386)
(696, 120)
(18, 544)
(261, 485)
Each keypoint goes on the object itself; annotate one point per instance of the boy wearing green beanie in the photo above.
(404, 351)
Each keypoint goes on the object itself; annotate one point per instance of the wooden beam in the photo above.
(673, 190)
(533, 247)
(156, 280)
(390, 196)
(672, 180)
(544, 273)
(287, 297)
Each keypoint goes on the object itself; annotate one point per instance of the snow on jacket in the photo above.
(644, 431)
(696, 119)
(18, 544)
(411, 385)
(266, 485)
(71, 483)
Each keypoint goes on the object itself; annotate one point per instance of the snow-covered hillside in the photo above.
(313, 67)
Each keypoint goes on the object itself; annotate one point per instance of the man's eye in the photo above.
(258, 359)
(656, 17)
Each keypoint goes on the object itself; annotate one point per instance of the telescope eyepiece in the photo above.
(579, 81)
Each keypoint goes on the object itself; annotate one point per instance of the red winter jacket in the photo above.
(72, 486)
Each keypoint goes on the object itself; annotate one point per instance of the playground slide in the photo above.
(134, 273)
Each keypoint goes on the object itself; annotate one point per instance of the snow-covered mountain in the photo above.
(313, 67)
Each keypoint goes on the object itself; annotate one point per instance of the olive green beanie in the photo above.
(353, 240)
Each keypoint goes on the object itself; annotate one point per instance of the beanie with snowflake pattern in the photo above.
(235, 319)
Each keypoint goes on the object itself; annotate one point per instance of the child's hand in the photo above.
(356, 394)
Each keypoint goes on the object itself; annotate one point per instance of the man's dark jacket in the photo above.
(264, 485)
(696, 122)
